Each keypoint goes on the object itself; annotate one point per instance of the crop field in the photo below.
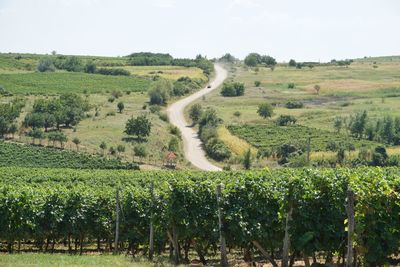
(79, 206)
(12, 154)
(273, 136)
(67, 82)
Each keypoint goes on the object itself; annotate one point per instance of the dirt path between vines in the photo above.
(192, 144)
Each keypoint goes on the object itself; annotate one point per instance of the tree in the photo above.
(292, 63)
(120, 149)
(103, 146)
(247, 160)
(252, 59)
(3, 126)
(139, 126)
(228, 58)
(358, 124)
(76, 141)
(379, 157)
(233, 89)
(195, 113)
(265, 110)
(12, 129)
(341, 155)
(317, 88)
(120, 106)
(173, 144)
(338, 124)
(160, 92)
(45, 64)
(90, 67)
(36, 134)
(140, 151)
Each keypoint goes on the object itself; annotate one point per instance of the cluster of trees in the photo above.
(158, 59)
(228, 58)
(345, 62)
(8, 114)
(67, 110)
(75, 64)
(232, 89)
(208, 122)
(384, 130)
(162, 89)
(254, 59)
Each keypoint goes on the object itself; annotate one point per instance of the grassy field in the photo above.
(168, 72)
(47, 260)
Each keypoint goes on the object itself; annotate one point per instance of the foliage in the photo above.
(173, 144)
(36, 206)
(265, 110)
(45, 64)
(139, 126)
(120, 106)
(232, 89)
(294, 104)
(185, 85)
(292, 63)
(112, 71)
(284, 120)
(160, 92)
(195, 113)
(247, 160)
(140, 151)
(253, 59)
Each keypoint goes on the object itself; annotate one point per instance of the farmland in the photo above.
(79, 206)
(12, 154)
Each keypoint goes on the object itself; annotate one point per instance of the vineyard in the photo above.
(12, 154)
(273, 136)
(75, 210)
(67, 82)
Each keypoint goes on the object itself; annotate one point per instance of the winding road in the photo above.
(192, 144)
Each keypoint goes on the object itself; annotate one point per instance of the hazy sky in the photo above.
(299, 29)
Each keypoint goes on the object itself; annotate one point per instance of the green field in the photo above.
(21, 155)
(70, 82)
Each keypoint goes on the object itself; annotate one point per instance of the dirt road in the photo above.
(192, 144)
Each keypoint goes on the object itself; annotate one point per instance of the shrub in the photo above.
(140, 151)
(163, 117)
(160, 92)
(217, 150)
(237, 114)
(294, 104)
(90, 67)
(195, 113)
(110, 113)
(232, 89)
(284, 120)
(45, 65)
(257, 83)
(291, 85)
(155, 109)
(111, 99)
(292, 63)
(265, 110)
(173, 144)
(114, 72)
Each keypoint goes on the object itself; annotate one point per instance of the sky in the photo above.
(306, 30)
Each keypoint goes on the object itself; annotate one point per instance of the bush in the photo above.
(163, 117)
(114, 72)
(265, 110)
(294, 104)
(292, 63)
(291, 86)
(257, 83)
(232, 89)
(46, 65)
(110, 113)
(284, 120)
(217, 150)
(90, 67)
(155, 109)
(111, 99)
(175, 131)
(140, 151)
(237, 114)
(160, 92)
(173, 144)
(120, 107)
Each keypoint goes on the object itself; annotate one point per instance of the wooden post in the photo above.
(151, 237)
(350, 227)
(224, 259)
(286, 240)
(117, 208)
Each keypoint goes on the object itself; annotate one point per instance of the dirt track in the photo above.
(192, 144)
